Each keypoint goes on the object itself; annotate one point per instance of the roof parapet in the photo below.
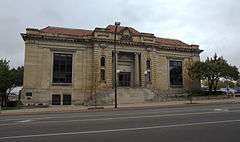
(194, 46)
(100, 29)
(32, 31)
(147, 34)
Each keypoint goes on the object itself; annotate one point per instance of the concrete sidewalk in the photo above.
(78, 108)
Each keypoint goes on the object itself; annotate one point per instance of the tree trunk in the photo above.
(215, 87)
(210, 86)
(4, 100)
(1, 97)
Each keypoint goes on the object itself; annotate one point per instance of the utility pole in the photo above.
(115, 62)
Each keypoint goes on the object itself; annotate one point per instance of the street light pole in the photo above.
(115, 62)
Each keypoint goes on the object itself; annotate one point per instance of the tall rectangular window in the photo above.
(102, 72)
(148, 64)
(62, 68)
(148, 75)
(176, 73)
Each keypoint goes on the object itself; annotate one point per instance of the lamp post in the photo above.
(115, 62)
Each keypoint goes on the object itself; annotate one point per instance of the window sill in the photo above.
(61, 84)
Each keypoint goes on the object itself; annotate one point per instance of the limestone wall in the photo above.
(38, 68)
(86, 70)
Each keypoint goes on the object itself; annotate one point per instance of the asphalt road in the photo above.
(210, 123)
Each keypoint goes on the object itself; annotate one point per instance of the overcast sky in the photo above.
(212, 24)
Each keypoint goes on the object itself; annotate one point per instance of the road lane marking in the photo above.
(135, 117)
(221, 109)
(155, 111)
(23, 118)
(119, 118)
(24, 121)
(102, 115)
(16, 122)
(119, 130)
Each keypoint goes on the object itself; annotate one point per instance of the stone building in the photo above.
(74, 66)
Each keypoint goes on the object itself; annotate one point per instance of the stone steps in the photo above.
(134, 95)
(126, 96)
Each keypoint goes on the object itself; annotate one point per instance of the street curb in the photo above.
(117, 109)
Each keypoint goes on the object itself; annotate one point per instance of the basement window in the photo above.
(29, 94)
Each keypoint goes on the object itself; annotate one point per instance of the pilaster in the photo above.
(136, 73)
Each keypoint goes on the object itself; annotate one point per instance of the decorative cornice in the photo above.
(63, 50)
(92, 40)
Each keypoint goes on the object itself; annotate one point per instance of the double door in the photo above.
(124, 79)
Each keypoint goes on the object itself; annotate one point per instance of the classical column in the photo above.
(136, 70)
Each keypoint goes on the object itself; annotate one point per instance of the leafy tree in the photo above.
(212, 70)
(238, 83)
(223, 84)
(17, 76)
(9, 78)
(5, 80)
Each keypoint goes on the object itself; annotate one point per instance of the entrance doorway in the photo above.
(124, 79)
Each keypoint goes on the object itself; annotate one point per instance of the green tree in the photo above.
(212, 70)
(238, 83)
(5, 80)
(9, 78)
(17, 76)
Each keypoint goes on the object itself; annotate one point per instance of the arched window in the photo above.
(102, 61)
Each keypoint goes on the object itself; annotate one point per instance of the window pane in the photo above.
(67, 99)
(62, 68)
(103, 62)
(176, 73)
(102, 74)
(148, 64)
(29, 94)
(149, 76)
(56, 99)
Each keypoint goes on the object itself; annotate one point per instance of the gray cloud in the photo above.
(214, 25)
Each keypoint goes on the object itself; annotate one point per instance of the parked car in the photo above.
(227, 90)
(14, 93)
(237, 90)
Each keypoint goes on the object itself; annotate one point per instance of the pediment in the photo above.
(126, 34)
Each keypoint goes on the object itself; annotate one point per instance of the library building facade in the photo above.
(65, 66)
